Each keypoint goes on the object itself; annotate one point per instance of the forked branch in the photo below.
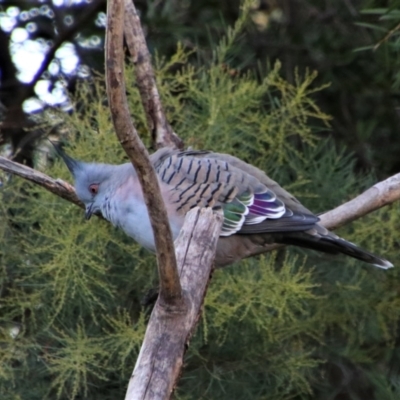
(162, 133)
(170, 288)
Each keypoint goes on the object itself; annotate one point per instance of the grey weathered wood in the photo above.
(161, 356)
(382, 193)
(55, 186)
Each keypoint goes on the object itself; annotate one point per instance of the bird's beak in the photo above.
(89, 211)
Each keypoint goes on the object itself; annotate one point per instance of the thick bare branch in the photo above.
(161, 356)
(170, 288)
(55, 186)
(379, 195)
(161, 131)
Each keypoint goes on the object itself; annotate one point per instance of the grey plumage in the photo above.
(257, 211)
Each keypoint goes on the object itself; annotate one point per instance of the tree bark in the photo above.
(381, 194)
(160, 360)
(170, 288)
(162, 133)
(56, 186)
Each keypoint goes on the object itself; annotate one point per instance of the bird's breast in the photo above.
(133, 218)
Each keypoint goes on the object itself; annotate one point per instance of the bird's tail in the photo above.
(330, 243)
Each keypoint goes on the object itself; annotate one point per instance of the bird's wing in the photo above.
(200, 179)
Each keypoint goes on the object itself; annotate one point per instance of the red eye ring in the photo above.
(94, 188)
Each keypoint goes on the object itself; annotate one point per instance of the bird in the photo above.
(257, 211)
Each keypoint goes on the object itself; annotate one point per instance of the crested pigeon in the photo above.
(257, 211)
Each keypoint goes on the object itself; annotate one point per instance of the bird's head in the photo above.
(93, 181)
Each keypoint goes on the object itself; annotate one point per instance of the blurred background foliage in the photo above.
(352, 44)
(289, 325)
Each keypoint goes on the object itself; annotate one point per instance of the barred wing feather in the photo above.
(248, 205)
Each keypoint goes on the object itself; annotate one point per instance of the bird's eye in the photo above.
(93, 188)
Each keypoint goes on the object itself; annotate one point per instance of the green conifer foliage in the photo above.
(287, 325)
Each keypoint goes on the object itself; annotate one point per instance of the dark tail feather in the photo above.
(332, 244)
